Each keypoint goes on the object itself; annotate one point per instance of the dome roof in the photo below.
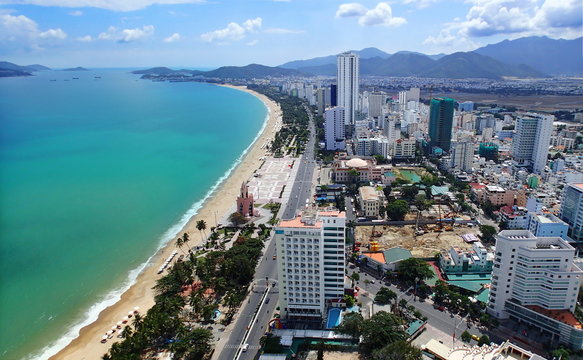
(356, 163)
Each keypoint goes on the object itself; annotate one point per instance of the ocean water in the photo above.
(95, 174)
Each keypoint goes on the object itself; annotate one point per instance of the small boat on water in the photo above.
(75, 78)
(97, 77)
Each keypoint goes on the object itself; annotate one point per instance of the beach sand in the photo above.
(87, 345)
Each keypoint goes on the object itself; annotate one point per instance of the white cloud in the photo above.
(233, 31)
(513, 18)
(76, 13)
(86, 38)
(53, 34)
(252, 43)
(172, 38)
(350, 9)
(282, 31)
(127, 35)
(381, 14)
(420, 4)
(125, 5)
(21, 32)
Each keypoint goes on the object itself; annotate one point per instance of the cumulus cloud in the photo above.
(233, 31)
(125, 5)
(514, 18)
(172, 38)
(86, 38)
(21, 32)
(381, 14)
(252, 43)
(420, 4)
(76, 13)
(127, 35)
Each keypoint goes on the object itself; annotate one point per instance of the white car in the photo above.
(244, 347)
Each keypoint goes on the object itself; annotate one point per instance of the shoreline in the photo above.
(219, 200)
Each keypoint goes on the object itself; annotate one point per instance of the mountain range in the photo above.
(525, 57)
(8, 69)
(232, 72)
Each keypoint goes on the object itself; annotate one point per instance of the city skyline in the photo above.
(199, 33)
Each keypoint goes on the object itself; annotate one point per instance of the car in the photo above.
(267, 301)
(475, 337)
(372, 281)
(244, 347)
(441, 308)
(274, 257)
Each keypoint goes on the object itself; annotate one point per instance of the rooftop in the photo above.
(396, 254)
(297, 223)
(564, 316)
(368, 193)
(377, 256)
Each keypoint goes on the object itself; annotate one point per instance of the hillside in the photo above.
(556, 57)
(225, 72)
(8, 69)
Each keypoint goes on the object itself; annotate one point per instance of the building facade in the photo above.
(535, 281)
(334, 128)
(462, 155)
(572, 210)
(245, 201)
(347, 80)
(370, 201)
(441, 122)
(530, 145)
(310, 263)
(478, 260)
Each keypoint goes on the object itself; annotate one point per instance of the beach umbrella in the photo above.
(113, 329)
(136, 309)
(119, 324)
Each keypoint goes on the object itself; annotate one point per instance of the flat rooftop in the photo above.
(564, 316)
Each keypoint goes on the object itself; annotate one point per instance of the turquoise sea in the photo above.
(95, 174)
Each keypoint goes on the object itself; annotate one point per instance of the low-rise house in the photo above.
(459, 261)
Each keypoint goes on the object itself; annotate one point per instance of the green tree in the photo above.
(488, 233)
(561, 353)
(397, 210)
(354, 277)
(385, 295)
(414, 269)
(201, 227)
(466, 336)
(349, 300)
(186, 239)
(409, 192)
(192, 344)
(352, 325)
(484, 339)
(237, 219)
(399, 350)
(381, 329)
(179, 243)
(320, 355)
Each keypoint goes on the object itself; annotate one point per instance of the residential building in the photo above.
(466, 106)
(572, 210)
(404, 148)
(347, 79)
(462, 155)
(478, 260)
(441, 122)
(534, 280)
(245, 201)
(310, 263)
(375, 104)
(547, 225)
(370, 200)
(530, 145)
(334, 119)
(497, 195)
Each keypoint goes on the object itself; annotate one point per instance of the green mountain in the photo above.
(78, 68)
(225, 72)
(8, 69)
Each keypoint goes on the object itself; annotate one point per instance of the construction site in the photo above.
(425, 241)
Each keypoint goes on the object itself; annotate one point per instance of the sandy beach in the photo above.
(87, 345)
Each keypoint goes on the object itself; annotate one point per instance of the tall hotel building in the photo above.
(572, 210)
(441, 122)
(534, 280)
(310, 263)
(347, 78)
(334, 128)
(530, 145)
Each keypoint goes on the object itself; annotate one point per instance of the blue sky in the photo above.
(210, 33)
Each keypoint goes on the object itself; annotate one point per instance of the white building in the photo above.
(375, 104)
(310, 263)
(572, 210)
(462, 155)
(530, 145)
(370, 200)
(547, 225)
(347, 80)
(535, 280)
(404, 148)
(334, 128)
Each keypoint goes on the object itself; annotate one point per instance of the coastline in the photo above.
(87, 344)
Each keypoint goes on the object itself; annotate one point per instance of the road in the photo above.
(228, 347)
(302, 188)
(441, 320)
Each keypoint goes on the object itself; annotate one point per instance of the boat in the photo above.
(97, 77)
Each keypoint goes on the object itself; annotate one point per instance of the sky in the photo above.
(212, 33)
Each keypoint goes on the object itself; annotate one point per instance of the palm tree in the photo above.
(126, 332)
(201, 226)
(185, 240)
(179, 243)
(138, 322)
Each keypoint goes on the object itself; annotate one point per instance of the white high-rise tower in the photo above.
(347, 78)
(530, 145)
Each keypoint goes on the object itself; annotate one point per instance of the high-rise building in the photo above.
(535, 280)
(321, 100)
(530, 145)
(375, 104)
(572, 210)
(441, 122)
(466, 106)
(333, 95)
(462, 155)
(347, 78)
(310, 263)
(334, 128)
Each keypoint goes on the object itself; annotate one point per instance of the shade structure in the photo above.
(136, 309)
(119, 323)
(114, 328)
(104, 337)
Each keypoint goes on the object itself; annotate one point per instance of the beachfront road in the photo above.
(243, 328)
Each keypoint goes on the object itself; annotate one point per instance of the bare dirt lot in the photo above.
(425, 245)
(538, 102)
(334, 355)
